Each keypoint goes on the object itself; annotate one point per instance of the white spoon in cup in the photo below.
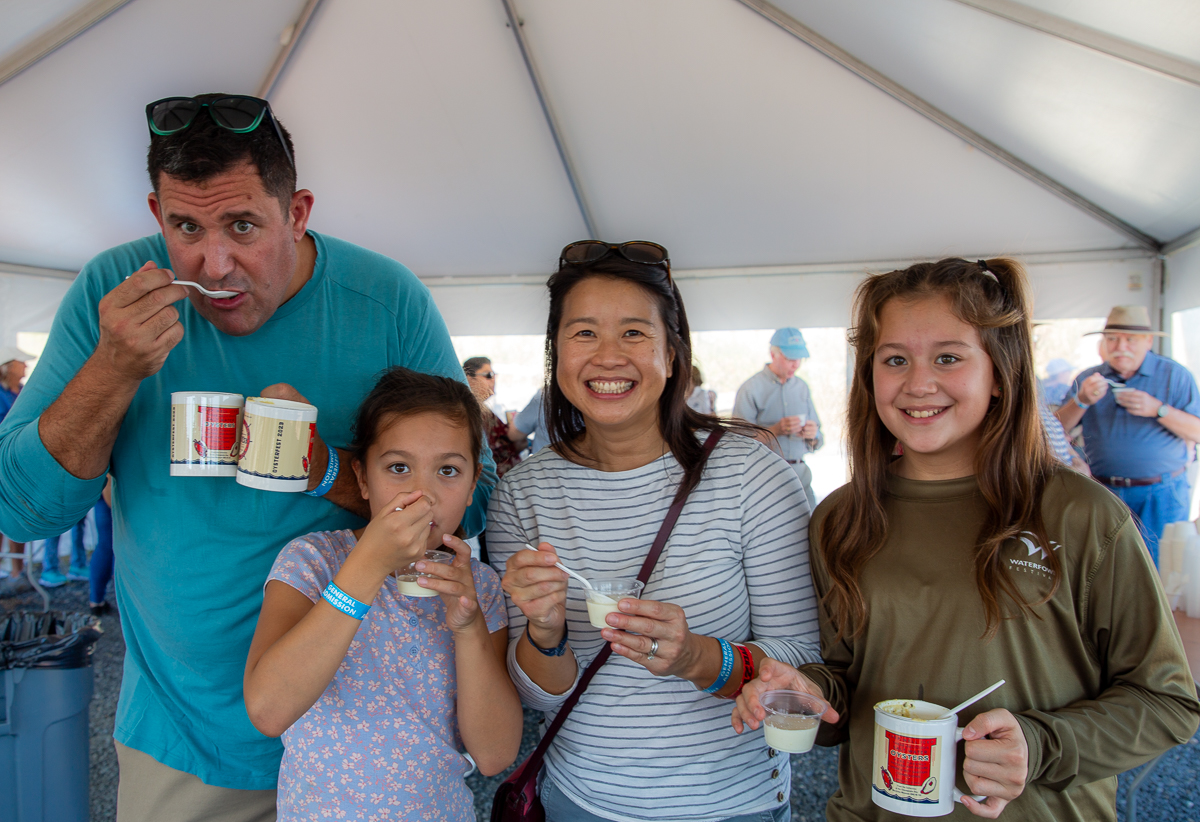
(972, 700)
(562, 567)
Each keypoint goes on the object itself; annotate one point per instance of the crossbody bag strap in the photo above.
(664, 532)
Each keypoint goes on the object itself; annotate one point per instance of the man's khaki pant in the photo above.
(150, 791)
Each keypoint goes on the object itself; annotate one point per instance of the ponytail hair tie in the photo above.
(983, 268)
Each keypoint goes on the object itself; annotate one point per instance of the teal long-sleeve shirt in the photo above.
(192, 553)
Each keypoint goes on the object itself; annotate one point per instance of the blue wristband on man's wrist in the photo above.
(726, 667)
(331, 473)
(345, 603)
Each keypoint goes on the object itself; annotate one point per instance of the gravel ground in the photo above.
(1170, 794)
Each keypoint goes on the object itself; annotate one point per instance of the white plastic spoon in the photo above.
(562, 567)
(207, 293)
(972, 700)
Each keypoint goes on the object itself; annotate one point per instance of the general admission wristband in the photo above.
(330, 475)
(345, 603)
(726, 667)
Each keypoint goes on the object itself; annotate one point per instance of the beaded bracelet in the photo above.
(330, 475)
(559, 650)
(726, 667)
(345, 603)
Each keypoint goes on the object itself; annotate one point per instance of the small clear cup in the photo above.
(603, 596)
(406, 580)
(792, 720)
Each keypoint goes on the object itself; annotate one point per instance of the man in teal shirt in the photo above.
(312, 318)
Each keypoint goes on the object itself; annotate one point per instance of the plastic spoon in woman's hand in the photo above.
(562, 567)
(972, 700)
(207, 293)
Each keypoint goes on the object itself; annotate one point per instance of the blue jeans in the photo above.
(100, 570)
(561, 809)
(79, 557)
(1156, 506)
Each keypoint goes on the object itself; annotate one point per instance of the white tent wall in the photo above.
(28, 303)
(1183, 280)
(718, 301)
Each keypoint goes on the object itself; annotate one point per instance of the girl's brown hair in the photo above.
(401, 392)
(1014, 460)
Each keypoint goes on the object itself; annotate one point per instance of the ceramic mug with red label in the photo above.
(276, 446)
(915, 761)
(204, 433)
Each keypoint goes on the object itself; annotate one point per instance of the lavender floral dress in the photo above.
(382, 742)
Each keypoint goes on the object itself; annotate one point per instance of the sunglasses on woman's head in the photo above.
(234, 112)
(643, 252)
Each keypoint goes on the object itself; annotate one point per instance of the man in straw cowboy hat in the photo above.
(1141, 419)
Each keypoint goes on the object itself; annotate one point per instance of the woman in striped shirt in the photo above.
(649, 740)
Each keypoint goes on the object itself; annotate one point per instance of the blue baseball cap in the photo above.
(791, 342)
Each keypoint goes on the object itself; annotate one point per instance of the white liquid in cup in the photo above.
(605, 595)
(406, 580)
(600, 606)
(791, 734)
(792, 720)
(407, 583)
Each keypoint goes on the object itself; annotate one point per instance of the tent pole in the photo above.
(1158, 302)
(1183, 241)
(36, 271)
(290, 37)
(515, 23)
(894, 89)
(1090, 38)
(61, 33)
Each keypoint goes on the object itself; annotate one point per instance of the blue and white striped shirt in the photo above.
(640, 747)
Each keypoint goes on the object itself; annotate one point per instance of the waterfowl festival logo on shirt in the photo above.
(1034, 561)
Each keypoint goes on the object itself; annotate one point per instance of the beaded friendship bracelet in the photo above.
(559, 650)
(345, 603)
(330, 475)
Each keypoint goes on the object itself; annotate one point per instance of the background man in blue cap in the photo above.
(1140, 422)
(781, 402)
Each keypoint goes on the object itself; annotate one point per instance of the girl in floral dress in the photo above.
(377, 708)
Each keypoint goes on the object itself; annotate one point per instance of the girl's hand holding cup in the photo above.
(773, 675)
(996, 763)
(455, 583)
(396, 536)
(539, 590)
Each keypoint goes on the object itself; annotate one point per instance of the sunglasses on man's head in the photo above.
(636, 251)
(487, 375)
(234, 112)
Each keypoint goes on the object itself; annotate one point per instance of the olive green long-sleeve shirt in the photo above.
(1098, 682)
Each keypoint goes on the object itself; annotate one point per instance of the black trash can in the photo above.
(46, 667)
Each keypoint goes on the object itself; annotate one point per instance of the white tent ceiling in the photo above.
(777, 150)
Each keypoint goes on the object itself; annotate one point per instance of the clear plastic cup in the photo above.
(603, 596)
(407, 579)
(792, 720)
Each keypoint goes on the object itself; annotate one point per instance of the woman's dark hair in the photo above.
(471, 366)
(401, 392)
(205, 150)
(678, 424)
(1012, 464)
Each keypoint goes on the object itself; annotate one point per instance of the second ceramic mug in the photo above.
(913, 768)
(204, 433)
(277, 441)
